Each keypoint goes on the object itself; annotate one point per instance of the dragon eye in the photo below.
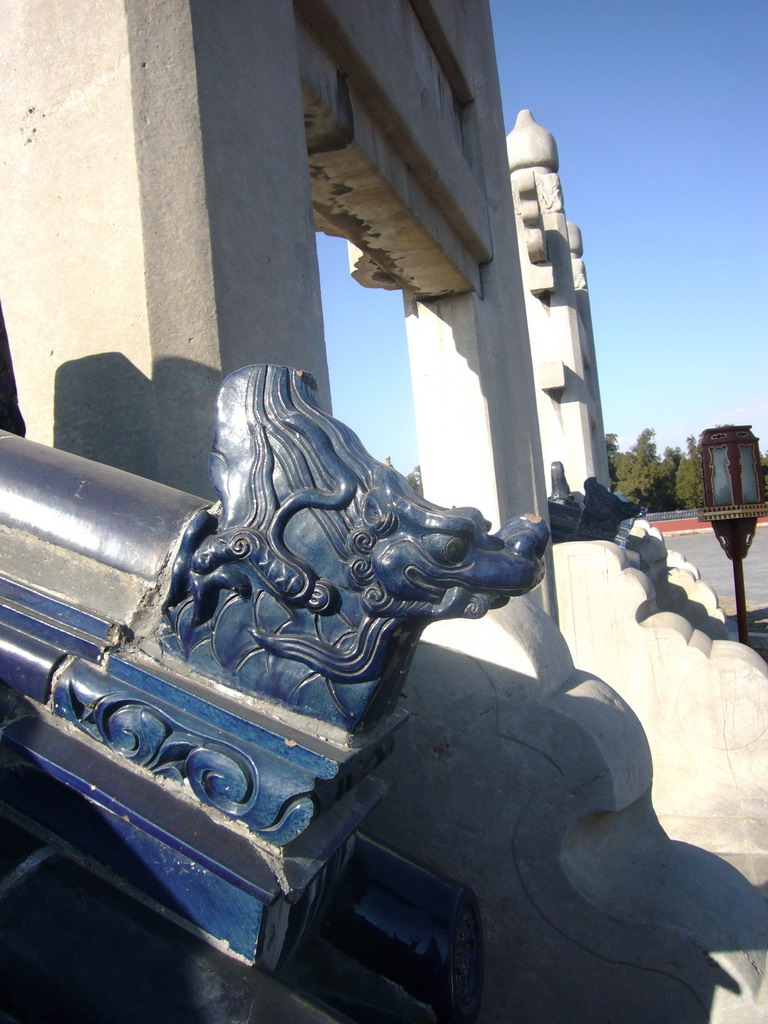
(455, 550)
(446, 549)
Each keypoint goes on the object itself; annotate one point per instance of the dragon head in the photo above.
(315, 580)
(444, 560)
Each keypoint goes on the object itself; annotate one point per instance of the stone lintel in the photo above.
(368, 273)
(410, 100)
(444, 25)
(364, 191)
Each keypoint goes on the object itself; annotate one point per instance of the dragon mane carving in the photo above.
(313, 582)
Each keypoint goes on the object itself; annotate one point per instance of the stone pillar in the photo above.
(471, 367)
(159, 228)
(557, 308)
(463, 460)
(586, 334)
(470, 359)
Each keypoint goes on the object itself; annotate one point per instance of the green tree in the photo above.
(642, 476)
(673, 457)
(634, 468)
(689, 489)
(612, 448)
(666, 496)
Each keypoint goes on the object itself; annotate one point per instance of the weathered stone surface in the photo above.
(372, 173)
(142, 252)
(537, 790)
(702, 699)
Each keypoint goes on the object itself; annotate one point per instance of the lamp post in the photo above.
(734, 497)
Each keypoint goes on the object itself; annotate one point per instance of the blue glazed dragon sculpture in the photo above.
(312, 583)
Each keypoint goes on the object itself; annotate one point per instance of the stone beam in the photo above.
(363, 189)
(354, 197)
(410, 100)
(444, 25)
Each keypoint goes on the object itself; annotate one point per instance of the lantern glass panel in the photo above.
(748, 474)
(721, 481)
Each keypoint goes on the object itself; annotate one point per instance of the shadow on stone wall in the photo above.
(103, 411)
(107, 410)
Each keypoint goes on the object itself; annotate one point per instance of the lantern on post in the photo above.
(734, 498)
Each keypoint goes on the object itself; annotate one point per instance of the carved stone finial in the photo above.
(530, 145)
(315, 580)
(574, 239)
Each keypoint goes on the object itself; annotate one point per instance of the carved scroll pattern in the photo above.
(217, 773)
(579, 274)
(550, 193)
(526, 200)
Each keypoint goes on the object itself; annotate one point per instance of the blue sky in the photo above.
(659, 111)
